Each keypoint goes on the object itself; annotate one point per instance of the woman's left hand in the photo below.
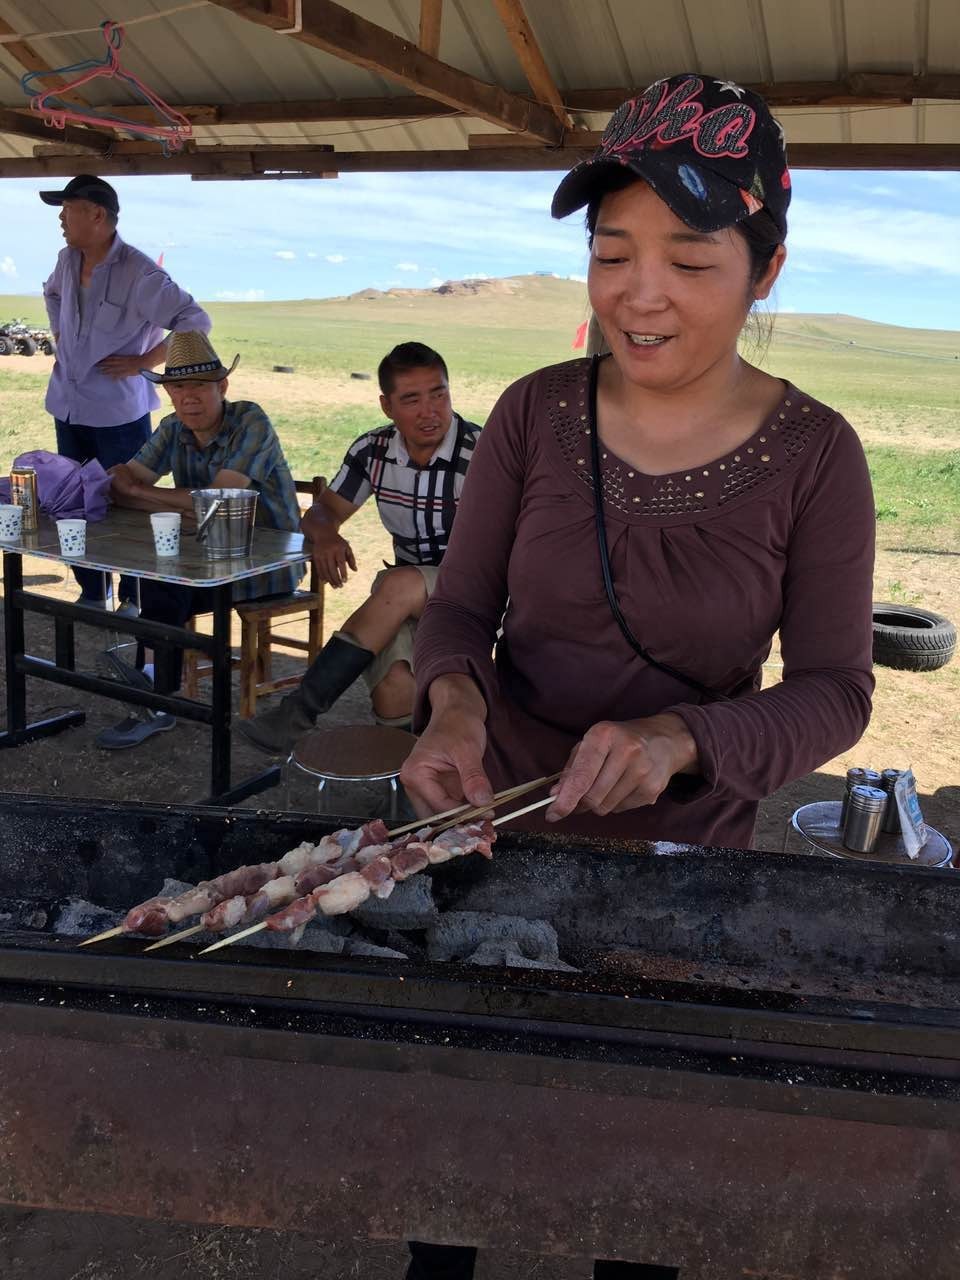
(618, 766)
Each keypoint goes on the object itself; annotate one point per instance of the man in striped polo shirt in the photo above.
(414, 467)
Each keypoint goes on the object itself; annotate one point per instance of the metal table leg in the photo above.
(18, 731)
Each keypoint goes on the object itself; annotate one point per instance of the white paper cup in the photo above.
(11, 521)
(73, 537)
(166, 532)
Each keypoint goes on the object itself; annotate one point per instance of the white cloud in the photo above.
(579, 279)
(7, 266)
(286, 254)
(906, 241)
(475, 275)
(335, 257)
(240, 295)
(311, 254)
(406, 266)
(435, 282)
(879, 191)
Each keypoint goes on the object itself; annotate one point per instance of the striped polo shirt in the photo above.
(416, 503)
(246, 442)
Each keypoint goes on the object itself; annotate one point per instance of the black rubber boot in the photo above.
(336, 667)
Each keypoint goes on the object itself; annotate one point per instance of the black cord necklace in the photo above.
(711, 695)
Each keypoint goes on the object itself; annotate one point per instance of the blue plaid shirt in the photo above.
(246, 442)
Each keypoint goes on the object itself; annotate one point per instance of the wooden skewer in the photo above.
(101, 937)
(174, 937)
(234, 937)
(462, 810)
(255, 928)
(518, 813)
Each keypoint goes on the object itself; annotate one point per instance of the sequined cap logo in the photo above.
(666, 115)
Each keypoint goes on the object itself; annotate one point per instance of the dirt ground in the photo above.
(915, 722)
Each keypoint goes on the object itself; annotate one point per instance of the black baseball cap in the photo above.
(85, 187)
(709, 148)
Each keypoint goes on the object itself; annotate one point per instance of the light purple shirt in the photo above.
(130, 303)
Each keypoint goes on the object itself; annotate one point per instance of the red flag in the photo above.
(581, 338)
(160, 259)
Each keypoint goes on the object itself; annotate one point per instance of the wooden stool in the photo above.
(352, 753)
(258, 640)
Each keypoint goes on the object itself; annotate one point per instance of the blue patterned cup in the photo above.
(166, 532)
(73, 537)
(11, 522)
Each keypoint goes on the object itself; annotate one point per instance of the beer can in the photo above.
(23, 493)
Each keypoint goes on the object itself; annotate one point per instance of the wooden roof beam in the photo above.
(23, 53)
(866, 88)
(431, 18)
(335, 30)
(310, 160)
(24, 124)
(531, 59)
(310, 111)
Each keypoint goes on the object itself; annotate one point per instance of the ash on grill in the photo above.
(407, 925)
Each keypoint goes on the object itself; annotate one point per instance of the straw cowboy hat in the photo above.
(190, 358)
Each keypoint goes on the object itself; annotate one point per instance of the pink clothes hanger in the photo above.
(173, 128)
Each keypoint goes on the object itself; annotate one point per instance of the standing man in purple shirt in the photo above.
(108, 306)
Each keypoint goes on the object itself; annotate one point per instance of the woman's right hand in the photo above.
(445, 768)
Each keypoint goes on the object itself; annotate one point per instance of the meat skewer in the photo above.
(245, 908)
(349, 891)
(153, 916)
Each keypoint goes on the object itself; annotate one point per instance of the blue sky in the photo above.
(879, 245)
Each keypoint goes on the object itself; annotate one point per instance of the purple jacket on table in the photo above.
(130, 303)
(708, 563)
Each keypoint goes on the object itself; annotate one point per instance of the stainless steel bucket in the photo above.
(225, 519)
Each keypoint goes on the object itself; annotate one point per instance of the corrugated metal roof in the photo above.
(208, 55)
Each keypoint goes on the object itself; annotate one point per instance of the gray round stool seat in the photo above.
(353, 753)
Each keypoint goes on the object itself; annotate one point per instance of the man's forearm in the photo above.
(156, 355)
(318, 523)
(146, 497)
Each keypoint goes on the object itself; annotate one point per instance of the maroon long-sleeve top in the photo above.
(708, 564)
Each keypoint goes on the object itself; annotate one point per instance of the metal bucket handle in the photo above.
(203, 526)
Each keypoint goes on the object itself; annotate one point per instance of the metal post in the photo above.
(222, 681)
(13, 641)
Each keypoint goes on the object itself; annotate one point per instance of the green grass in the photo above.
(899, 387)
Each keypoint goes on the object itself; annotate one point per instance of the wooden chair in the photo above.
(257, 638)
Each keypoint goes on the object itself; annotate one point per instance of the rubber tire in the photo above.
(46, 346)
(911, 639)
(7, 345)
(26, 347)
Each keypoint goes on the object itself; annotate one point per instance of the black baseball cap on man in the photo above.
(710, 149)
(85, 187)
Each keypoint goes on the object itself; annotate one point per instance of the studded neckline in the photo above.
(680, 496)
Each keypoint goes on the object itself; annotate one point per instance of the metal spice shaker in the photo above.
(891, 816)
(857, 778)
(865, 811)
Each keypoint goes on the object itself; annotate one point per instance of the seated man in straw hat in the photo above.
(207, 442)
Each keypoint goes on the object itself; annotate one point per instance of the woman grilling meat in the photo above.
(734, 506)
(643, 523)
